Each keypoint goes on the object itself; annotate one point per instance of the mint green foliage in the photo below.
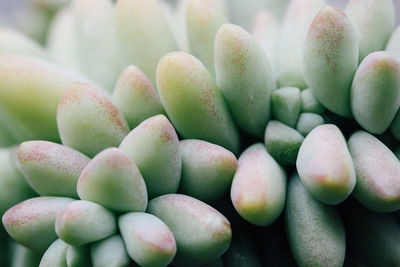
(393, 45)
(207, 170)
(93, 22)
(136, 97)
(13, 186)
(193, 101)
(31, 222)
(82, 222)
(245, 77)
(202, 234)
(378, 173)
(282, 142)
(14, 42)
(112, 180)
(314, 230)
(24, 257)
(375, 93)
(325, 165)
(307, 122)
(286, 105)
(109, 252)
(258, 189)
(296, 22)
(374, 21)
(51, 169)
(330, 59)
(88, 121)
(55, 255)
(143, 34)
(30, 89)
(203, 18)
(148, 240)
(309, 103)
(154, 147)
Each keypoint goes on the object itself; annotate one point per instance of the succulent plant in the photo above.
(200, 133)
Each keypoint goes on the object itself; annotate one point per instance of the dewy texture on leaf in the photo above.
(375, 93)
(31, 222)
(330, 59)
(88, 121)
(148, 240)
(136, 97)
(193, 101)
(325, 165)
(258, 189)
(154, 147)
(50, 168)
(202, 234)
(112, 180)
(378, 173)
(207, 170)
(314, 230)
(245, 77)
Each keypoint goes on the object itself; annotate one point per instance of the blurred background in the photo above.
(32, 17)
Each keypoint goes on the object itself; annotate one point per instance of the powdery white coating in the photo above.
(378, 173)
(325, 165)
(88, 121)
(61, 41)
(375, 22)
(202, 234)
(148, 240)
(245, 77)
(30, 90)
(258, 189)
(136, 97)
(154, 147)
(193, 101)
(282, 142)
(265, 29)
(330, 59)
(203, 19)
(143, 34)
(112, 180)
(55, 255)
(50, 168)
(315, 231)
(109, 252)
(393, 44)
(286, 105)
(309, 103)
(307, 122)
(31, 222)
(95, 40)
(14, 42)
(207, 170)
(375, 93)
(23, 256)
(82, 222)
(296, 22)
